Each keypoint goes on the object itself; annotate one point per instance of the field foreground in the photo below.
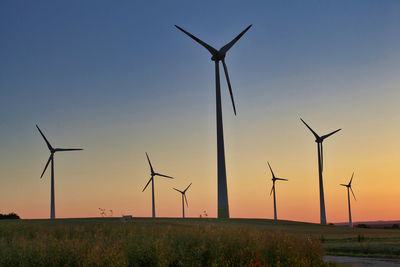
(184, 242)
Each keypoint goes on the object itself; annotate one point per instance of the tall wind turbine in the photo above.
(348, 197)
(51, 159)
(319, 140)
(217, 56)
(273, 188)
(152, 173)
(183, 194)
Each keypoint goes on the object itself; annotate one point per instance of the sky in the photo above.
(118, 79)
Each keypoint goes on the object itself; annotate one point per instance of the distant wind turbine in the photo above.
(319, 140)
(217, 56)
(51, 158)
(152, 173)
(348, 197)
(183, 194)
(273, 188)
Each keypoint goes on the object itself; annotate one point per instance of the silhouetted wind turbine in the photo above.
(152, 173)
(51, 158)
(273, 188)
(348, 197)
(319, 140)
(183, 193)
(217, 56)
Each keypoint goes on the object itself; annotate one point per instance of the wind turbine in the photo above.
(319, 140)
(217, 56)
(183, 193)
(273, 188)
(51, 158)
(152, 173)
(348, 197)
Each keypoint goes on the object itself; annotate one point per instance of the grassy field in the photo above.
(185, 242)
(337, 240)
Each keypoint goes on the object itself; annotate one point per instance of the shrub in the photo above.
(11, 215)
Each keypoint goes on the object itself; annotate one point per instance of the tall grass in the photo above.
(130, 244)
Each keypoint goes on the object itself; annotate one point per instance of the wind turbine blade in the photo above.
(272, 189)
(211, 49)
(329, 134)
(351, 179)
(187, 205)
(45, 139)
(353, 193)
(151, 167)
(228, 46)
(178, 190)
(162, 175)
(281, 179)
(184, 191)
(67, 149)
(343, 185)
(273, 175)
(314, 133)
(147, 184)
(229, 85)
(47, 164)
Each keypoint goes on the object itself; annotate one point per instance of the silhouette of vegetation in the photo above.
(11, 215)
(108, 242)
(189, 242)
(393, 226)
(204, 215)
(362, 225)
(103, 213)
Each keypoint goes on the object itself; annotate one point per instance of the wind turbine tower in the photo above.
(348, 197)
(183, 194)
(152, 174)
(319, 140)
(51, 159)
(274, 179)
(217, 56)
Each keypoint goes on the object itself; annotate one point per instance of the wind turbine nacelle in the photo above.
(218, 57)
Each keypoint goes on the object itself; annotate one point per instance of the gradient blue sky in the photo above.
(118, 79)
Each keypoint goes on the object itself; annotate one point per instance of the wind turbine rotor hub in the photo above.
(218, 57)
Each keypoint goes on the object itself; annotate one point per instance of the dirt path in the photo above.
(363, 262)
